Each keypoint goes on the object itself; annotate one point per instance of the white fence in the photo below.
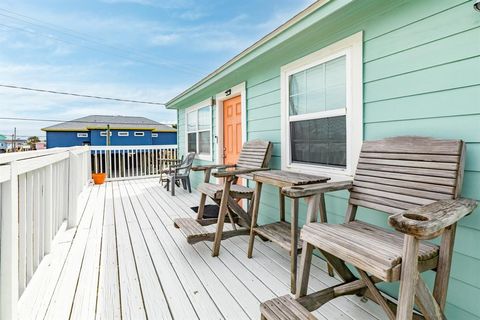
(38, 193)
(127, 162)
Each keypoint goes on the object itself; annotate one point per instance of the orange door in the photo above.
(232, 130)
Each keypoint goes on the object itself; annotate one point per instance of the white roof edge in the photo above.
(299, 16)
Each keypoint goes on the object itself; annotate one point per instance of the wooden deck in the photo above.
(126, 260)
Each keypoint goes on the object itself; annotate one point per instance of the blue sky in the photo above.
(134, 49)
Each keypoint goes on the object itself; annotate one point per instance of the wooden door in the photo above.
(232, 130)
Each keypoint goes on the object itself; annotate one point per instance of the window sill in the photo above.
(203, 157)
(335, 175)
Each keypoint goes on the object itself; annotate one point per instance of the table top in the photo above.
(282, 178)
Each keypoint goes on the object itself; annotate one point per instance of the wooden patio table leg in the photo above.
(256, 205)
(281, 204)
(294, 245)
(307, 249)
(323, 219)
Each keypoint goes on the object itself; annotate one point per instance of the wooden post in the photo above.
(281, 204)
(307, 249)
(9, 246)
(72, 190)
(293, 246)
(408, 280)
(221, 216)
(48, 196)
(256, 205)
(444, 265)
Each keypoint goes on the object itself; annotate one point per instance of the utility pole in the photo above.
(107, 152)
(14, 139)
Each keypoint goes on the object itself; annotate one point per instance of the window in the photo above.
(139, 134)
(154, 135)
(123, 133)
(82, 135)
(104, 133)
(322, 109)
(199, 130)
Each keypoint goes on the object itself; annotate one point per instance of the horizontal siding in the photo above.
(421, 77)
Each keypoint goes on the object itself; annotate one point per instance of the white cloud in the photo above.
(164, 39)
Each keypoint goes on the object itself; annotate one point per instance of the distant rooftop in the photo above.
(115, 122)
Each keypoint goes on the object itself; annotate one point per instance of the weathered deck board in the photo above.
(127, 261)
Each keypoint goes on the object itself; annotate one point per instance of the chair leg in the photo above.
(305, 263)
(173, 186)
(256, 205)
(167, 185)
(184, 184)
(201, 207)
(189, 186)
(376, 294)
(444, 265)
(221, 217)
(409, 277)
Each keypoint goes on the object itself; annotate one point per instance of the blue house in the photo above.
(124, 131)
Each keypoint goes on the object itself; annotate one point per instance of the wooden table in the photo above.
(282, 232)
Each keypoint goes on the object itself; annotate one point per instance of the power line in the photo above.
(80, 95)
(101, 42)
(74, 121)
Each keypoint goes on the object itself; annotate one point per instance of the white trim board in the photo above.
(238, 90)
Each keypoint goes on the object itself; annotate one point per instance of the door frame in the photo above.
(235, 91)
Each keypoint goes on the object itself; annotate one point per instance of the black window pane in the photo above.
(204, 142)
(319, 141)
(192, 142)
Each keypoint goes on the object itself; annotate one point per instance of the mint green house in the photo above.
(344, 71)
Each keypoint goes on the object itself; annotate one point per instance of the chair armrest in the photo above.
(428, 221)
(317, 188)
(231, 173)
(213, 166)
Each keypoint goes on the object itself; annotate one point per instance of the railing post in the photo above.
(73, 176)
(48, 196)
(9, 247)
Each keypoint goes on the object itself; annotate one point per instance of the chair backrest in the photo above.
(187, 163)
(255, 154)
(404, 172)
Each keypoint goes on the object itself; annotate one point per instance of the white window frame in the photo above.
(352, 48)
(104, 133)
(123, 133)
(139, 134)
(154, 135)
(194, 108)
(82, 134)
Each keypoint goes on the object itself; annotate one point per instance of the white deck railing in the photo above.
(128, 162)
(38, 193)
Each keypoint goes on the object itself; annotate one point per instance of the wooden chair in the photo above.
(180, 173)
(418, 182)
(255, 156)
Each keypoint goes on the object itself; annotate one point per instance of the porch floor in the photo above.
(127, 260)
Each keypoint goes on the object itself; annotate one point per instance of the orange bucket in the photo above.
(99, 178)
